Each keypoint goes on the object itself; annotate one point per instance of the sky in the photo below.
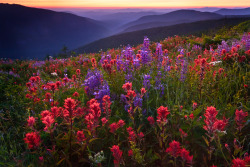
(130, 3)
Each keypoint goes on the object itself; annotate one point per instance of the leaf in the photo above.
(158, 155)
(160, 144)
(207, 142)
(171, 162)
(91, 140)
(138, 130)
(58, 163)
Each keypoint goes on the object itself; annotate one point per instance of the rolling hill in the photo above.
(156, 34)
(172, 18)
(32, 33)
(245, 11)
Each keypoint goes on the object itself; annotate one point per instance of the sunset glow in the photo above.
(130, 3)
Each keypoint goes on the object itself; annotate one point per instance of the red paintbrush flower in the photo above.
(238, 163)
(174, 149)
(117, 154)
(240, 118)
(32, 139)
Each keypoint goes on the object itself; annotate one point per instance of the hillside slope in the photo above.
(155, 34)
(32, 33)
(172, 18)
(245, 11)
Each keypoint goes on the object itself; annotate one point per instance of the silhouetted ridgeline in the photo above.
(172, 18)
(245, 11)
(156, 34)
(32, 33)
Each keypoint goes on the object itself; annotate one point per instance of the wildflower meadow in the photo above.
(172, 103)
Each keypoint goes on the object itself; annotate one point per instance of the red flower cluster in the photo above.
(127, 86)
(93, 61)
(175, 150)
(238, 163)
(104, 121)
(32, 139)
(80, 136)
(107, 66)
(240, 118)
(151, 120)
(130, 153)
(55, 111)
(184, 154)
(194, 105)
(76, 94)
(212, 124)
(78, 71)
(32, 88)
(45, 113)
(114, 126)
(47, 97)
(130, 95)
(89, 121)
(143, 91)
(69, 104)
(52, 86)
(183, 134)
(106, 105)
(31, 121)
(48, 121)
(95, 110)
(117, 154)
(162, 115)
(132, 134)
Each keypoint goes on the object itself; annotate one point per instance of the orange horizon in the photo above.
(122, 7)
(133, 7)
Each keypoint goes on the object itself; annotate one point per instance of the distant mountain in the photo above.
(172, 18)
(115, 19)
(245, 11)
(32, 33)
(156, 34)
(206, 9)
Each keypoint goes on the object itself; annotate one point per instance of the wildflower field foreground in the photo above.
(173, 103)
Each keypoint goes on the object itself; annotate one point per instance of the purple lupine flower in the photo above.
(159, 52)
(138, 101)
(223, 45)
(247, 44)
(38, 64)
(145, 57)
(146, 43)
(95, 85)
(146, 81)
(158, 84)
(93, 80)
(119, 64)
(103, 90)
(65, 70)
(123, 98)
(183, 70)
(128, 77)
(182, 51)
(105, 57)
(136, 63)
(245, 40)
(197, 48)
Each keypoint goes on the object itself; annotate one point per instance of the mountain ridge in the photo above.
(179, 16)
(26, 31)
(133, 38)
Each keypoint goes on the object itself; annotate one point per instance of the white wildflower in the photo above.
(215, 62)
(54, 74)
